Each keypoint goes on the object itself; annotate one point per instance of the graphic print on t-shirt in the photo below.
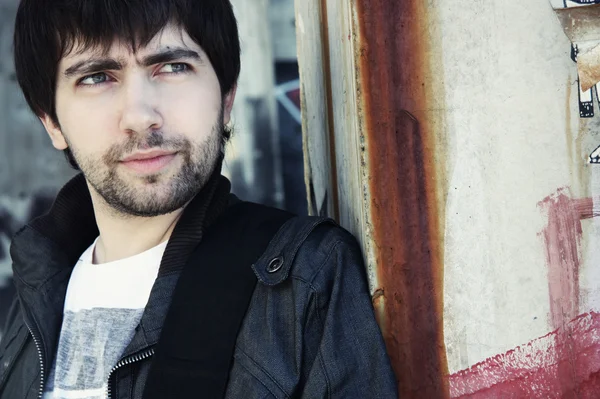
(103, 306)
(91, 344)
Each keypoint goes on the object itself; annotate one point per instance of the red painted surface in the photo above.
(564, 364)
(562, 238)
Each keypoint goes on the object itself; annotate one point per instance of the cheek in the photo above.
(85, 125)
(191, 112)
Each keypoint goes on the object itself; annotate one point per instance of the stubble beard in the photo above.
(159, 194)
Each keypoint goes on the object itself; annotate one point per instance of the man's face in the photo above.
(144, 127)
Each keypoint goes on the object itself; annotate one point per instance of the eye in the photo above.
(175, 67)
(91, 80)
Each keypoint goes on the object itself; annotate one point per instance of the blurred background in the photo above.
(264, 159)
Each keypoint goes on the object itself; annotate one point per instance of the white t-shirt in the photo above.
(103, 306)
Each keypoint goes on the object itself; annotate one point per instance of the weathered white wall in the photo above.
(512, 119)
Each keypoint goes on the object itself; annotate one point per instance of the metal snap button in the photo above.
(275, 265)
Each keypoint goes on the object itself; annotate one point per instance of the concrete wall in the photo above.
(511, 127)
(461, 161)
(521, 227)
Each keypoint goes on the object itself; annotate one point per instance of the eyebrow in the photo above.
(91, 66)
(169, 55)
(94, 65)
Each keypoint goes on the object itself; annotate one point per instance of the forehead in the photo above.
(169, 36)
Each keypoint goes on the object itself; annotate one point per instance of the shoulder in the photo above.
(311, 249)
(324, 252)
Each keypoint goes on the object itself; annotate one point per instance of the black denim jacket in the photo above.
(309, 332)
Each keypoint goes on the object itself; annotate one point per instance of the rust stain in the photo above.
(394, 60)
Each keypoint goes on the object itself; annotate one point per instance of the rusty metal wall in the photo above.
(396, 99)
(376, 177)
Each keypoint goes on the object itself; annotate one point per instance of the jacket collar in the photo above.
(54, 241)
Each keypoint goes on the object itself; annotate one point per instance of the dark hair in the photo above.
(46, 30)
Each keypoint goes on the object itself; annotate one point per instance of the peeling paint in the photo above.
(580, 23)
(587, 65)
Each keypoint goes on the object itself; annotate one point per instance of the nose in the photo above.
(139, 111)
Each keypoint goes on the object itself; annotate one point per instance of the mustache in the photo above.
(141, 142)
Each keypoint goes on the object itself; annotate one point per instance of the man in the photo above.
(137, 94)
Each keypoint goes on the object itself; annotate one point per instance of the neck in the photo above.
(123, 236)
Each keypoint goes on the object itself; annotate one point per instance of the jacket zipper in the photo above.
(125, 362)
(41, 357)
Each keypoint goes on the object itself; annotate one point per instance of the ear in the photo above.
(55, 133)
(228, 104)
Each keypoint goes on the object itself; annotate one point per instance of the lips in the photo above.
(150, 162)
(142, 156)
